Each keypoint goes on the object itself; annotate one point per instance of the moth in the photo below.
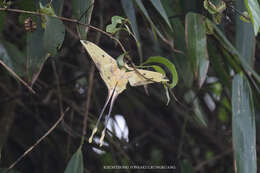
(116, 79)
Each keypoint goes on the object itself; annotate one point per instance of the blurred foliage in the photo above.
(211, 121)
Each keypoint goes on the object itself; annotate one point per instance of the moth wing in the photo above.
(136, 79)
(98, 55)
(106, 65)
(109, 74)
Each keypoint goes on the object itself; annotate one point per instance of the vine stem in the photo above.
(67, 20)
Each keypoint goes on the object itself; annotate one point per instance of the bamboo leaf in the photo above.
(160, 9)
(222, 38)
(129, 9)
(254, 13)
(243, 125)
(145, 13)
(82, 10)
(197, 46)
(200, 117)
(245, 39)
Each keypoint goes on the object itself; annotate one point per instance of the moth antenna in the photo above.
(108, 116)
(100, 116)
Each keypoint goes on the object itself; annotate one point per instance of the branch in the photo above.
(75, 21)
(37, 142)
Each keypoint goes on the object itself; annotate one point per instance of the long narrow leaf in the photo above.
(243, 125)
(254, 13)
(82, 10)
(129, 9)
(181, 60)
(144, 11)
(222, 38)
(197, 46)
(158, 6)
(245, 38)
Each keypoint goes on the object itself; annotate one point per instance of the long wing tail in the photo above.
(110, 93)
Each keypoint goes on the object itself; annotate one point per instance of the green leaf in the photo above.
(14, 61)
(168, 64)
(36, 54)
(118, 20)
(217, 64)
(158, 6)
(114, 26)
(197, 46)
(75, 164)
(120, 60)
(181, 61)
(245, 39)
(161, 70)
(144, 11)
(254, 13)
(85, 8)
(197, 108)
(53, 35)
(13, 58)
(129, 10)
(243, 125)
(158, 69)
(221, 37)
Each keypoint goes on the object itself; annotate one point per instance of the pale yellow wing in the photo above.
(107, 66)
(136, 79)
(98, 55)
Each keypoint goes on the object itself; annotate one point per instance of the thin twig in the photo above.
(90, 87)
(83, 24)
(67, 20)
(90, 80)
(37, 142)
(59, 93)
